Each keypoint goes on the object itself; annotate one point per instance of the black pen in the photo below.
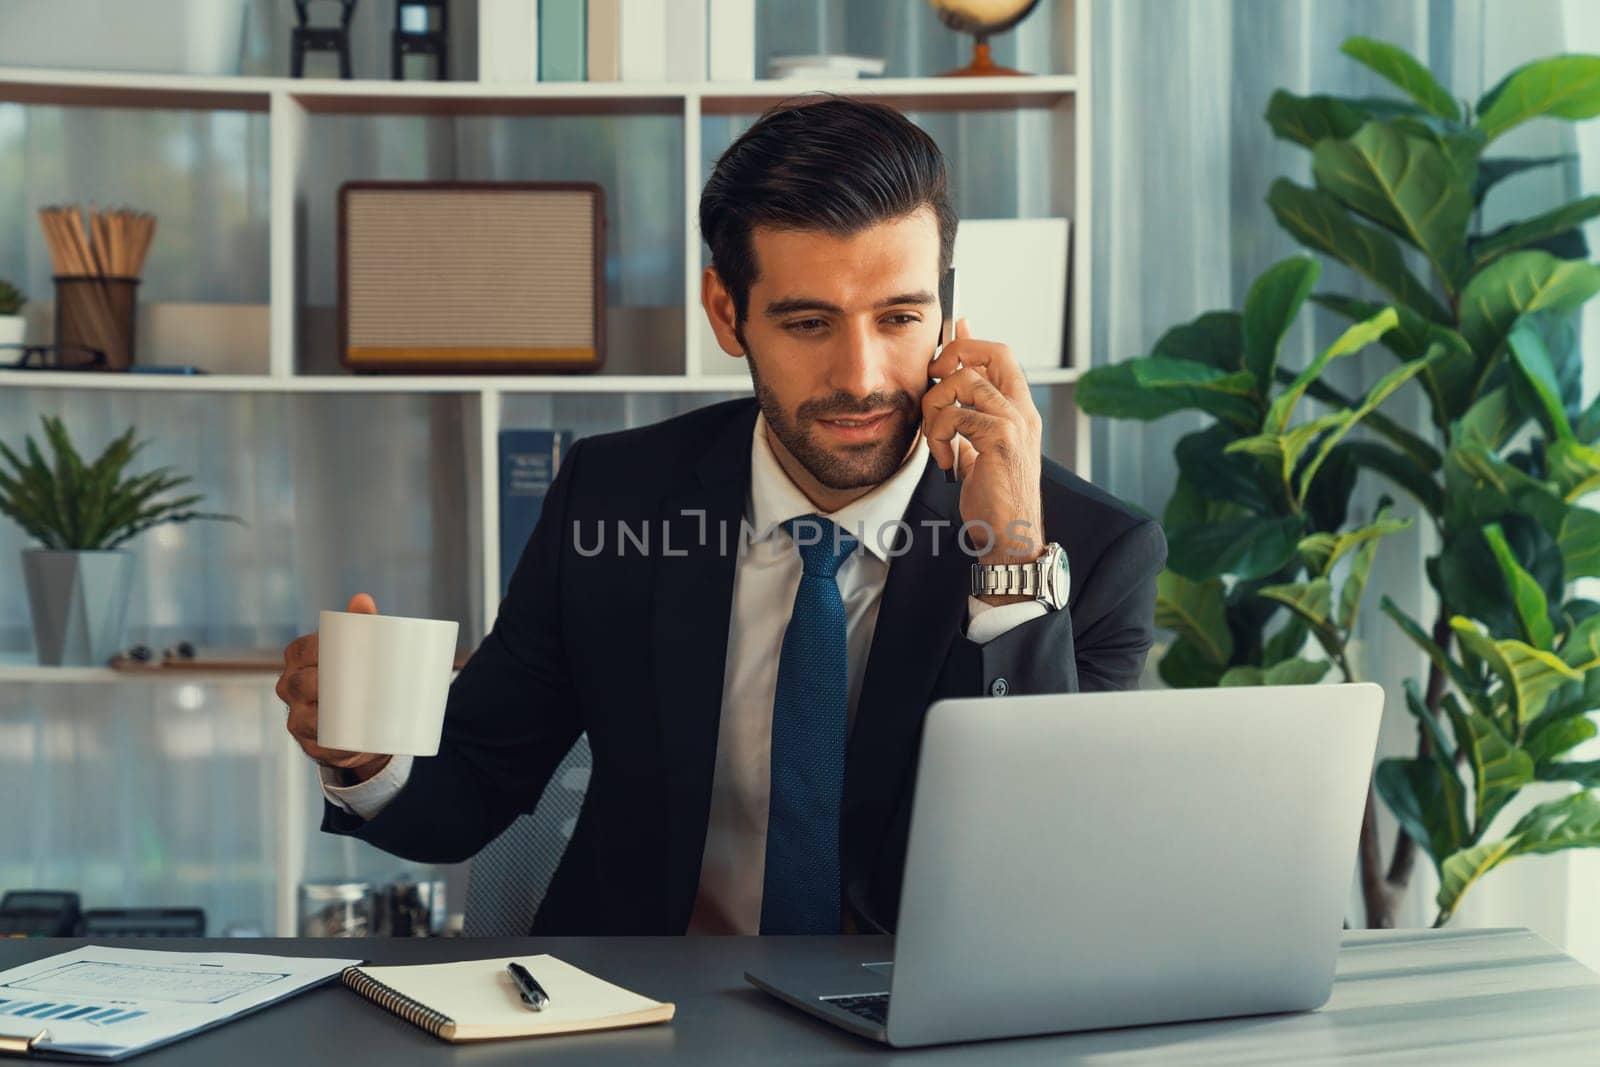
(533, 994)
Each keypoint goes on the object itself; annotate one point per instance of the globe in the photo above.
(983, 19)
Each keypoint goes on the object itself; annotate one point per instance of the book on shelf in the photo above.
(528, 462)
(731, 40)
(562, 31)
(605, 40)
(508, 40)
(686, 41)
(643, 40)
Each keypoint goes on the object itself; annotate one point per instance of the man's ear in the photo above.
(718, 304)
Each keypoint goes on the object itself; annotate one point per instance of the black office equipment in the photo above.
(39, 913)
(433, 40)
(308, 38)
(143, 922)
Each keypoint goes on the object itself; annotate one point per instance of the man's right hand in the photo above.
(297, 687)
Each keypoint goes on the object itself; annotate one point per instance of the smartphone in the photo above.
(947, 333)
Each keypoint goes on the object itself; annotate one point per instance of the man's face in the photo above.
(839, 335)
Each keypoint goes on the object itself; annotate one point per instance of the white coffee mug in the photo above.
(382, 682)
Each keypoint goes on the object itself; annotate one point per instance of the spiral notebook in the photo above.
(477, 1000)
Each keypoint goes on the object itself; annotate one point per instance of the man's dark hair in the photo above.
(832, 163)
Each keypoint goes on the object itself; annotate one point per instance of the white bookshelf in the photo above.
(294, 106)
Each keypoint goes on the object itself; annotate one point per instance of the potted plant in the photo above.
(11, 301)
(1503, 472)
(1513, 650)
(79, 579)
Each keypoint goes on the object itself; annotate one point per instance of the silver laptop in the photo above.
(1093, 860)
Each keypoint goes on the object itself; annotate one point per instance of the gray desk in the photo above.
(1458, 997)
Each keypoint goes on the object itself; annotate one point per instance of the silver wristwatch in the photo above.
(1047, 579)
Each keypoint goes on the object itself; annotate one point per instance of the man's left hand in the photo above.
(997, 417)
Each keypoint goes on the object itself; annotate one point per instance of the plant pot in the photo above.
(10, 334)
(79, 601)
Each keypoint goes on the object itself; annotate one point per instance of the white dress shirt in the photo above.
(766, 577)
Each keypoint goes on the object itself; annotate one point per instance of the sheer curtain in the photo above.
(1183, 161)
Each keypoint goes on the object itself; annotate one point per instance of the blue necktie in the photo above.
(800, 891)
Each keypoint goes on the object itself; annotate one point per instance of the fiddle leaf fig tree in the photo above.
(1257, 526)
(1398, 184)
(67, 504)
(1264, 566)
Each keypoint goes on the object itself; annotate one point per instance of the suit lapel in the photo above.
(924, 601)
(692, 603)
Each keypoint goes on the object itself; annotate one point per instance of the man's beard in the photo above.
(852, 466)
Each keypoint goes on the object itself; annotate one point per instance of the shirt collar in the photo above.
(774, 499)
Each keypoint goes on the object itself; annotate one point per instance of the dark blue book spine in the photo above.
(528, 462)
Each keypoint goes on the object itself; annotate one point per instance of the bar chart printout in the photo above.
(109, 1003)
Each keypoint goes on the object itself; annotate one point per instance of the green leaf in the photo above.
(1151, 387)
(1322, 551)
(1242, 675)
(1319, 221)
(1296, 672)
(1588, 426)
(1461, 872)
(1205, 464)
(1195, 612)
(1580, 647)
(1399, 67)
(1355, 583)
(1565, 87)
(1530, 357)
(1408, 185)
(1499, 768)
(1555, 739)
(1428, 802)
(1310, 601)
(1327, 499)
(1491, 420)
(1442, 748)
(1185, 667)
(1579, 541)
(1533, 612)
(1574, 466)
(1400, 469)
(1585, 774)
(1481, 487)
(1529, 675)
(1270, 309)
(1451, 376)
(1190, 506)
(1492, 172)
(1514, 285)
(1380, 391)
(1420, 451)
(1462, 680)
(1520, 234)
(1249, 548)
(1466, 573)
(1282, 451)
(1287, 642)
(1308, 119)
(1352, 340)
(1288, 672)
(1215, 339)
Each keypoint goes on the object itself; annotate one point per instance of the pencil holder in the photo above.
(97, 312)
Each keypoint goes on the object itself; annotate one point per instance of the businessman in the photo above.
(749, 608)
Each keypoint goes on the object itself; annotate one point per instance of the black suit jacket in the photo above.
(630, 647)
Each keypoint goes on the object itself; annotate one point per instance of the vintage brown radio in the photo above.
(480, 277)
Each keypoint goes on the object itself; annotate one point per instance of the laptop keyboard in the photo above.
(874, 1007)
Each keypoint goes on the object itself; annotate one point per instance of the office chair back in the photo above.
(509, 876)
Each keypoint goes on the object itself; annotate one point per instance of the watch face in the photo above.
(1060, 577)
